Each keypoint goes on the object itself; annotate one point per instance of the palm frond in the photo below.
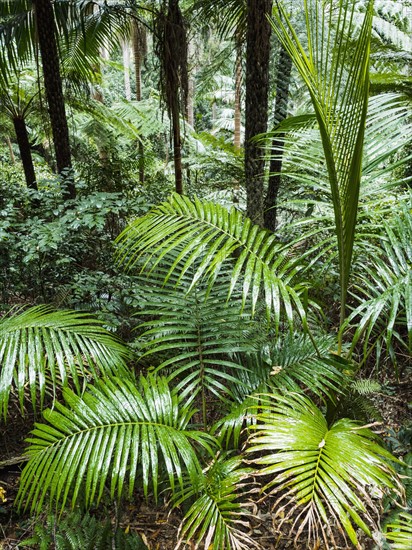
(384, 289)
(295, 363)
(207, 231)
(110, 435)
(230, 428)
(399, 532)
(195, 335)
(337, 80)
(62, 345)
(219, 517)
(320, 474)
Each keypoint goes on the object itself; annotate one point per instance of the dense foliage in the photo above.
(178, 352)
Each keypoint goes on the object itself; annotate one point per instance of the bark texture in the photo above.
(275, 168)
(139, 52)
(172, 52)
(238, 94)
(256, 108)
(44, 17)
(25, 151)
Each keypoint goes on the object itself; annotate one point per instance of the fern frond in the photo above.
(81, 531)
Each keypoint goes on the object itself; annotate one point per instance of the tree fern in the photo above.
(110, 435)
(62, 346)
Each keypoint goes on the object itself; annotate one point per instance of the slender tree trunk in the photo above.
(139, 51)
(238, 94)
(177, 151)
(256, 110)
(126, 69)
(281, 106)
(25, 152)
(44, 16)
(172, 52)
(190, 116)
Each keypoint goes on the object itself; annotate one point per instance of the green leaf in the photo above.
(219, 515)
(320, 473)
(183, 234)
(110, 436)
(41, 348)
(337, 77)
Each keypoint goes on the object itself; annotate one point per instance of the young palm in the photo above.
(116, 434)
(337, 79)
(319, 474)
(41, 350)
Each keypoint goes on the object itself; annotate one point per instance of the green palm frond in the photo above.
(336, 76)
(17, 32)
(219, 517)
(320, 474)
(111, 435)
(387, 133)
(59, 345)
(230, 429)
(208, 232)
(399, 532)
(195, 335)
(294, 363)
(384, 289)
(291, 364)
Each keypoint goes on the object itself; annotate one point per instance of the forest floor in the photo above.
(158, 527)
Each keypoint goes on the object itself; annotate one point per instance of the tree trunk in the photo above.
(139, 51)
(190, 116)
(126, 69)
(54, 91)
(256, 110)
(172, 52)
(177, 151)
(238, 94)
(25, 152)
(281, 106)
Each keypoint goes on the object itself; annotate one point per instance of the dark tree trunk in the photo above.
(43, 10)
(256, 109)
(281, 106)
(25, 151)
(172, 52)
